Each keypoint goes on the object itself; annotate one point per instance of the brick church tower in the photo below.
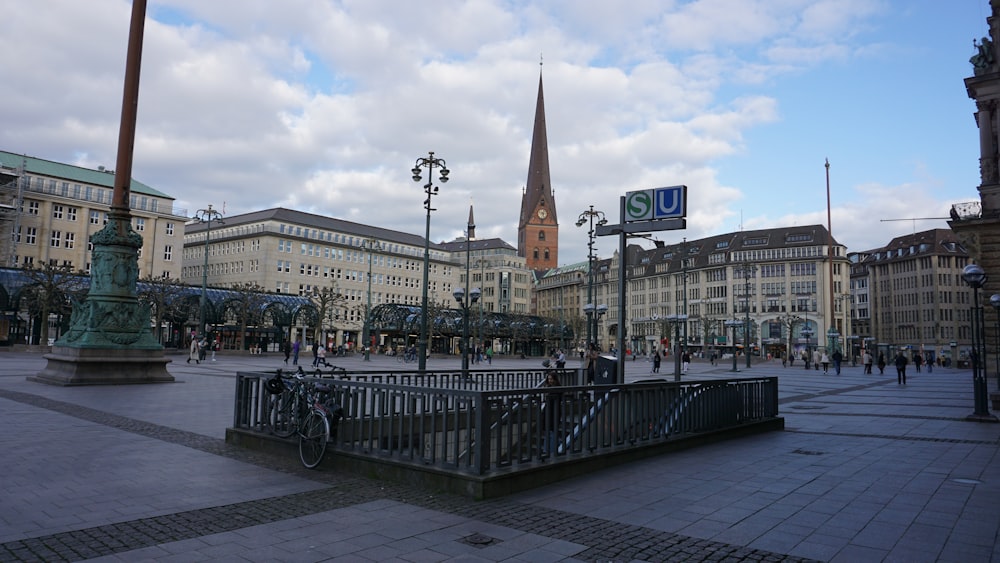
(538, 228)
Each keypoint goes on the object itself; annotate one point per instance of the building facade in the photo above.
(51, 209)
(919, 301)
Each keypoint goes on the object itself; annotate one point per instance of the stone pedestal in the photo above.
(103, 366)
(109, 339)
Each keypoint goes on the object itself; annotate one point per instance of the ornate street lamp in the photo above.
(807, 332)
(586, 217)
(734, 324)
(974, 275)
(205, 216)
(430, 163)
(995, 302)
(465, 301)
(747, 270)
(370, 245)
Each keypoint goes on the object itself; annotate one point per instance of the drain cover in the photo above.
(479, 540)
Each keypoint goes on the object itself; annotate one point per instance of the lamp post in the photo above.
(586, 217)
(748, 271)
(676, 320)
(974, 275)
(599, 312)
(734, 324)
(370, 245)
(465, 300)
(995, 302)
(205, 216)
(807, 332)
(430, 163)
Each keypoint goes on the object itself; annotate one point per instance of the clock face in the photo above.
(542, 213)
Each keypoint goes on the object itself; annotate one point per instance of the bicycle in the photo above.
(304, 408)
(406, 358)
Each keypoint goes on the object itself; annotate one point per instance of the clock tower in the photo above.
(538, 228)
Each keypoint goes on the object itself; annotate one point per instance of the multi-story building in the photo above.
(289, 251)
(53, 208)
(779, 278)
(918, 297)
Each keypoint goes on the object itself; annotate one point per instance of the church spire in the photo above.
(538, 228)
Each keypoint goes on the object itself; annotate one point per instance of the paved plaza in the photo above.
(865, 470)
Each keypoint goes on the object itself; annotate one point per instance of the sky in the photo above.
(324, 106)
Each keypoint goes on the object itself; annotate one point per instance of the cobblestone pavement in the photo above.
(865, 471)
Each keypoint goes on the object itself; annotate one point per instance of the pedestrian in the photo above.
(202, 349)
(489, 355)
(901, 362)
(868, 362)
(656, 362)
(791, 358)
(215, 348)
(825, 360)
(295, 351)
(321, 356)
(838, 358)
(315, 351)
(193, 351)
(805, 358)
(784, 360)
(930, 362)
(287, 349)
(918, 360)
(591, 363)
(685, 361)
(881, 363)
(816, 359)
(560, 359)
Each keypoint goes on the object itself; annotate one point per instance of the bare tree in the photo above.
(50, 290)
(246, 305)
(328, 302)
(161, 294)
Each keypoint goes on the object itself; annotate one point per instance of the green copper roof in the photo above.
(72, 173)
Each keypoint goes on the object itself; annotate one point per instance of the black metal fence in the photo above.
(503, 421)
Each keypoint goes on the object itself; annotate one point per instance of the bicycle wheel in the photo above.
(282, 414)
(312, 439)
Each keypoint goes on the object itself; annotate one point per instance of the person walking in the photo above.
(825, 360)
(868, 362)
(295, 351)
(901, 362)
(838, 358)
(881, 363)
(315, 351)
(287, 349)
(656, 362)
(590, 364)
(918, 361)
(685, 361)
(489, 355)
(193, 351)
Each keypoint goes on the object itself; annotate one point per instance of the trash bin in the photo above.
(606, 372)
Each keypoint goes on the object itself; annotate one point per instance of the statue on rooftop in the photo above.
(983, 58)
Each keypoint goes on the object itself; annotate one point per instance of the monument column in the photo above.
(109, 340)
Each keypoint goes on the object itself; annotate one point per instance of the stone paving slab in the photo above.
(866, 471)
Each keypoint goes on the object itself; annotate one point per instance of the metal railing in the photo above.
(495, 421)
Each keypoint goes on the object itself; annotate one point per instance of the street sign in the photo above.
(656, 203)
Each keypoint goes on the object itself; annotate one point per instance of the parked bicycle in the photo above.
(303, 407)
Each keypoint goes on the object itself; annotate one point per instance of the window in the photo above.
(71, 213)
(32, 208)
(70, 240)
(56, 240)
(541, 235)
(57, 211)
(168, 253)
(30, 235)
(140, 224)
(170, 229)
(95, 217)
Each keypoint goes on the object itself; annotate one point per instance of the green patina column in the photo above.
(111, 316)
(109, 340)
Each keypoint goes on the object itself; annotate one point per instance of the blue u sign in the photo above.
(656, 203)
